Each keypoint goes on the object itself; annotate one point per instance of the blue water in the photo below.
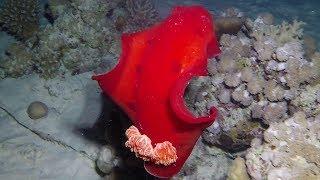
(307, 11)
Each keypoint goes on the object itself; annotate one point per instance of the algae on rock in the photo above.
(20, 18)
(79, 40)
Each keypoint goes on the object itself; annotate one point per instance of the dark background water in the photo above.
(288, 10)
(307, 11)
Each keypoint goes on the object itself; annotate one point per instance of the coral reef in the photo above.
(290, 150)
(20, 18)
(265, 84)
(259, 78)
(79, 40)
(83, 36)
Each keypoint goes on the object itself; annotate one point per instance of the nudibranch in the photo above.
(149, 81)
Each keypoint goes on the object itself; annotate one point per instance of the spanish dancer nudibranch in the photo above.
(149, 81)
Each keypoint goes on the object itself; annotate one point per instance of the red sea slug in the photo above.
(149, 83)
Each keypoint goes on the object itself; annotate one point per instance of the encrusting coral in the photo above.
(20, 18)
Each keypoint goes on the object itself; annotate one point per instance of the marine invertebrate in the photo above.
(267, 18)
(156, 108)
(20, 18)
(310, 45)
(290, 50)
(232, 79)
(273, 91)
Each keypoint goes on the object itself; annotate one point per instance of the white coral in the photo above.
(290, 151)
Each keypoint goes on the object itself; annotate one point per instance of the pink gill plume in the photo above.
(164, 153)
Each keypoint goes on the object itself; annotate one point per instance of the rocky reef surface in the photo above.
(290, 150)
(83, 36)
(263, 78)
(265, 85)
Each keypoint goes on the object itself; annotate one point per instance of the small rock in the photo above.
(228, 25)
(37, 110)
(238, 170)
(105, 160)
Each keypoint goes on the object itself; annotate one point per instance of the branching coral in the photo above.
(20, 18)
(280, 33)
